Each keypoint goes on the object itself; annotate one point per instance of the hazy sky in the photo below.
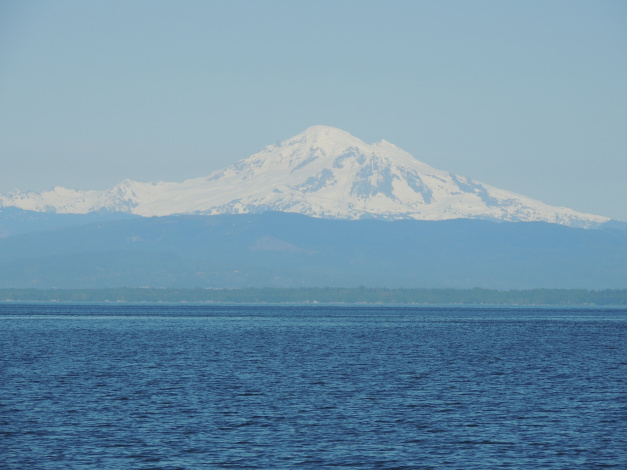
(528, 96)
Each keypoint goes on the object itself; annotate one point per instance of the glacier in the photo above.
(322, 172)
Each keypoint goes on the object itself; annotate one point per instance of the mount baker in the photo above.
(323, 172)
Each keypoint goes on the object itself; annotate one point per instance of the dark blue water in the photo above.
(130, 386)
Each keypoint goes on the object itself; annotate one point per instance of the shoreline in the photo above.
(324, 295)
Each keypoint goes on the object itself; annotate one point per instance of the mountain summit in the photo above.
(322, 172)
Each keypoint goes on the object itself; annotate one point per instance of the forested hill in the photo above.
(284, 250)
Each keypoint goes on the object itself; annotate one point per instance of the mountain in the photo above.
(14, 221)
(323, 172)
(276, 249)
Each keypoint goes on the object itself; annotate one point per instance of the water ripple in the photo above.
(300, 387)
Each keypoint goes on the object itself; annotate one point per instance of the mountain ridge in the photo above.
(322, 172)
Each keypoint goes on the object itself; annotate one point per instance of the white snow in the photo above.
(322, 172)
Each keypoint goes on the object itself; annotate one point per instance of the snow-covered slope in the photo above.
(322, 172)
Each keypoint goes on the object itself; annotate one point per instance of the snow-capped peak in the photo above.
(321, 172)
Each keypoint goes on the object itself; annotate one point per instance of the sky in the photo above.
(528, 96)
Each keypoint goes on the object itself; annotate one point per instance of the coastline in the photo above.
(324, 295)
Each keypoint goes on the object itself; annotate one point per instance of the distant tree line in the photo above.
(475, 296)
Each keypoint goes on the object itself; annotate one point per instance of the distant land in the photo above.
(277, 249)
(322, 172)
(321, 209)
(607, 297)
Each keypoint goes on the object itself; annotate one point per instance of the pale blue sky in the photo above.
(529, 96)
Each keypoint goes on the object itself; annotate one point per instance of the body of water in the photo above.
(196, 386)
